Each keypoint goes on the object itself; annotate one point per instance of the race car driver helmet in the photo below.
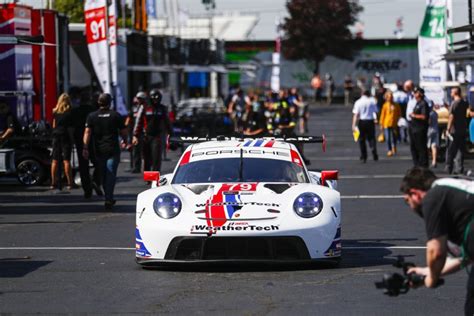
(141, 95)
(156, 96)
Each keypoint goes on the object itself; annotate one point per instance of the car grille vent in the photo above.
(237, 248)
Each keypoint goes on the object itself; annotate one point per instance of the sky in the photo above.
(379, 16)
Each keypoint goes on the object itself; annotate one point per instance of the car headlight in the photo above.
(308, 205)
(167, 205)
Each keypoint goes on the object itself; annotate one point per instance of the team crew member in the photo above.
(457, 128)
(80, 114)
(153, 120)
(284, 120)
(105, 126)
(254, 121)
(285, 117)
(447, 208)
(236, 109)
(418, 129)
(365, 118)
(136, 152)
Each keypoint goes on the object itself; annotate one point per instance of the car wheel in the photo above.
(30, 172)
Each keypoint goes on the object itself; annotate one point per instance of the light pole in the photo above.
(210, 6)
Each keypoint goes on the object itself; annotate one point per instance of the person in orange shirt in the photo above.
(389, 117)
(317, 84)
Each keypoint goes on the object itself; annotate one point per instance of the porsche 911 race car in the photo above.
(239, 200)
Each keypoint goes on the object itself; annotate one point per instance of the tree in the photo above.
(318, 28)
(74, 9)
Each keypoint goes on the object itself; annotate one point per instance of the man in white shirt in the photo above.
(365, 118)
(408, 87)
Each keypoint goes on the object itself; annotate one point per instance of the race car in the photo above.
(240, 200)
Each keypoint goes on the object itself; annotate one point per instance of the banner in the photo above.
(105, 68)
(151, 9)
(432, 43)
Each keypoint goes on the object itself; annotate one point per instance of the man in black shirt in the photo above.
(153, 121)
(105, 125)
(457, 128)
(79, 115)
(254, 121)
(447, 207)
(418, 130)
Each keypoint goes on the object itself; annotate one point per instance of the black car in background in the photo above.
(201, 117)
(32, 147)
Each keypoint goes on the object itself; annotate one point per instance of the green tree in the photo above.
(74, 9)
(318, 28)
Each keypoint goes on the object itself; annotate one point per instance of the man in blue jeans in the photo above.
(105, 125)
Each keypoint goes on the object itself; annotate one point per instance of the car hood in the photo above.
(221, 203)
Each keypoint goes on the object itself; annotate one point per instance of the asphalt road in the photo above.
(62, 254)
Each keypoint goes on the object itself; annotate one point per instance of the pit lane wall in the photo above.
(396, 60)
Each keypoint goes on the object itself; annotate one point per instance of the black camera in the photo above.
(396, 283)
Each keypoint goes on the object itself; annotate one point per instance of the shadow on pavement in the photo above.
(230, 267)
(19, 267)
(358, 253)
(65, 205)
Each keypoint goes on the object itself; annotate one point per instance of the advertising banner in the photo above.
(432, 43)
(103, 59)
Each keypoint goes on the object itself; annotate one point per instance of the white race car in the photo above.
(239, 200)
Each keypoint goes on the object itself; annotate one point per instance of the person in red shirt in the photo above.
(152, 121)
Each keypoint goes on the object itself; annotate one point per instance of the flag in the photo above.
(96, 35)
(432, 43)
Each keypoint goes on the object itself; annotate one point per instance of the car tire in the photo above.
(30, 172)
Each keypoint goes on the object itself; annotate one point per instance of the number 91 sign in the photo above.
(95, 26)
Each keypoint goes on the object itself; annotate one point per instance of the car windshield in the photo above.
(228, 170)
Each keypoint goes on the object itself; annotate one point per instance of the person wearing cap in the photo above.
(136, 151)
(105, 125)
(152, 121)
(418, 129)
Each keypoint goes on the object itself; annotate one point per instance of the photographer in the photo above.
(447, 207)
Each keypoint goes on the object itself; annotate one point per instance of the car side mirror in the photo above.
(151, 176)
(329, 175)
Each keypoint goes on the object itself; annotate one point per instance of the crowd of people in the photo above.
(95, 129)
(283, 113)
(407, 115)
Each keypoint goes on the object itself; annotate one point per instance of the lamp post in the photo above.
(210, 5)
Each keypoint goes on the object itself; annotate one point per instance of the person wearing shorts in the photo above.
(433, 136)
(62, 140)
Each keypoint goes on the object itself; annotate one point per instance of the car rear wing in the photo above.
(289, 139)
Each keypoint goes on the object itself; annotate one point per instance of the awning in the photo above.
(176, 68)
(459, 56)
(461, 29)
(23, 40)
(16, 93)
